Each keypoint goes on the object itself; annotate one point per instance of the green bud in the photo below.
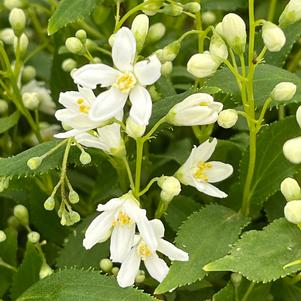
(34, 162)
(133, 129)
(69, 64)
(174, 9)
(97, 60)
(192, 7)
(45, 271)
(152, 7)
(208, 17)
(31, 100)
(33, 237)
(169, 52)
(21, 213)
(13, 222)
(166, 68)
(3, 106)
(85, 158)
(73, 197)
(140, 277)
(106, 265)
(29, 73)
(74, 45)
(74, 217)
(236, 279)
(49, 203)
(17, 21)
(81, 35)
(2, 236)
(156, 32)
(23, 44)
(115, 271)
(140, 29)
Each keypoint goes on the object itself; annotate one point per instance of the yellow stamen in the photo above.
(84, 108)
(204, 104)
(143, 250)
(122, 219)
(201, 169)
(80, 101)
(125, 82)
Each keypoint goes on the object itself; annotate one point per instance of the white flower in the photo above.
(107, 138)
(196, 109)
(156, 266)
(170, 186)
(127, 80)
(291, 13)
(118, 220)
(298, 116)
(273, 37)
(292, 150)
(292, 211)
(199, 173)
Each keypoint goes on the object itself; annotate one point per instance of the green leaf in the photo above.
(260, 256)
(206, 235)
(79, 285)
(69, 11)
(8, 122)
(225, 5)
(285, 291)
(28, 271)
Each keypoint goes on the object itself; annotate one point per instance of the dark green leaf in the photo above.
(8, 122)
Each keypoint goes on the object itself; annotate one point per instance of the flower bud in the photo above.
(106, 265)
(73, 197)
(170, 186)
(3, 106)
(115, 271)
(284, 91)
(49, 203)
(236, 279)
(208, 18)
(97, 60)
(152, 7)
(23, 44)
(85, 158)
(29, 73)
(227, 118)
(173, 9)
(13, 222)
(2, 236)
(273, 37)
(140, 277)
(21, 213)
(298, 116)
(202, 65)
(192, 7)
(292, 150)
(45, 271)
(7, 35)
(290, 189)
(234, 31)
(112, 39)
(169, 52)
(134, 129)
(31, 100)
(219, 29)
(166, 68)
(81, 35)
(69, 218)
(74, 45)
(218, 48)
(155, 33)
(292, 211)
(34, 162)
(139, 29)
(33, 237)
(11, 4)
(17, 21)
(69, 64)
(291, 13)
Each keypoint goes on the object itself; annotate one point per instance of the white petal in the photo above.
(124, 49)
(147, 232)
(218, 172)
(209, 189)
(122, 239)
(141, 109)
(172, 251)
(68, 99)
(148, 71)
(91, 75)
(110, 136)
(112, 204)
(203, 152)
(107, 105)
(158, 227)
(89, 140)
(194, 100)
(71, 133)
(156, 267)
(129, 269)
(87, 94)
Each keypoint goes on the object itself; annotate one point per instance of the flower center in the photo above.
(200, 171)
(204, 104)
(83, 106)
(125, 82)
(143, 250)
(122, 219)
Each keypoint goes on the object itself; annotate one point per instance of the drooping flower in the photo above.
(118, 220)
(127, 80)
(156, 266)
(199, 173)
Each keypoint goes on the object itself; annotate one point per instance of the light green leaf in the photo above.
(260, 256)
(8, 122)
(78, 285)
(205, 235)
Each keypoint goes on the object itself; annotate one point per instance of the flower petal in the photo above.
(209, 189)
(129, 269)
(147, 232)
(156, 267)
(141, 109)
(172, 251)
(124, 49)
(68, 134)
(87, 94)
(158, 227)
(91, 75)
(112, 204)
(203, 152)
(107, 105)
(148, 71)
(218, 171)
(89, 140)
(110, 136)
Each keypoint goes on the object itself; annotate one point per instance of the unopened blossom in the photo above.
(273, 37)
(218, 47)
(292, 150)
(118, 219)
(199, 173)
(141, 251)
(292, 211)
(290, 189)
(127, 80)
(298, 115)
(196, 109)
(284, 91)
(291, 13)
(227, 118)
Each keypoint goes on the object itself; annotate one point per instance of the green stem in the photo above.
(272, 9)
(281, 112)
(199, 27)
(162, 207)
(248, 292)
(129, 172)
(148, 186)
(8, 266)
(139, 157)
(155, 127)
(263, 111)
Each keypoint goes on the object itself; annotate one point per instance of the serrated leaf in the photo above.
(78, 285)
(28, 271)
(8, 122)
(69, 11)
(260, 256)
(205, 235)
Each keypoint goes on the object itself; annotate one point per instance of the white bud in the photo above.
(173, 9)
(3, 106)
(202, 65)
(156, 32)
(234, 31)
(81, 35)
(166, 68)
(134, 129)
(284, 91)
(227, 118)
(219, 29)
(298, 116)
(2, 236)
(21, 213)
(115, 271)
(170, 186)
(208, 17)
(152, 7)
(218, 47)
(291, 13)
(69, 64)
(290, 189)
(74, 45)
(97, 60)
(192, 7)
(140, 277)
(34, 162)
(45, 271)
(33, 237)
(17, 20)
(106, 265)
(112, 39)
(7, 35)
(292, 150)
(140, 29)
(85, 158)
(292, 211)
(49, 203)
(31, 100)
(23, 44)
(273, 37)
(11, 4)
(29, 73)
(73, 197)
